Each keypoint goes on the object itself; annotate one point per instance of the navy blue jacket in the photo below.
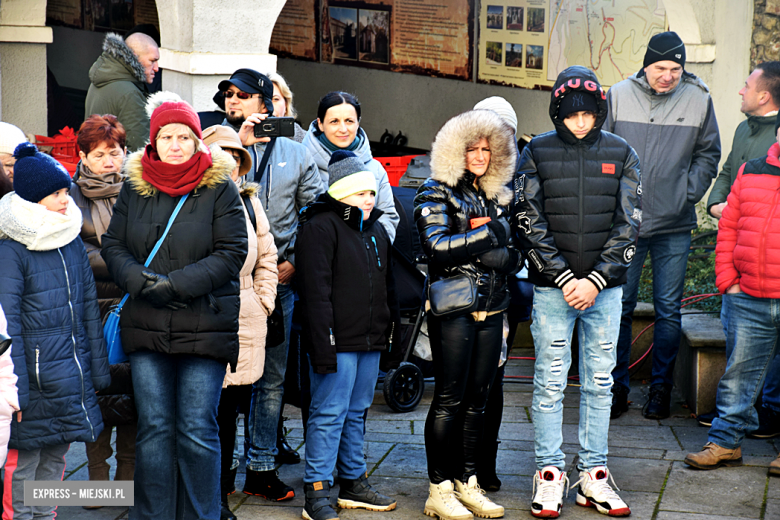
(58, 351)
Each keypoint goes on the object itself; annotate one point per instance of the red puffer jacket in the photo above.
(748, 250)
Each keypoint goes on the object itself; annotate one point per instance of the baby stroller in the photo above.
(404, 381)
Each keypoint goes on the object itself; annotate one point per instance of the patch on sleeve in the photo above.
(534, 256)
(523, 222)
(608, 168)
(520, 188)
(637, 215)
(629, 253)
(425, 211)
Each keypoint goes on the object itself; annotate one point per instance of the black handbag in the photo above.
(452, 297)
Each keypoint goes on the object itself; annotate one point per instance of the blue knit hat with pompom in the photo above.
(37, 175)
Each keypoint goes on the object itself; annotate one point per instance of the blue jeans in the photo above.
(177, 445)
(267, 394)
(339, 403)
(751, 343)
(669, 254)
(771, 393)
(552, 327)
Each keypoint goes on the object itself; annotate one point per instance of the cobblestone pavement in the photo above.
(645, 459)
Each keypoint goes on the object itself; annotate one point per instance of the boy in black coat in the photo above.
(347, 295)
(577, 217)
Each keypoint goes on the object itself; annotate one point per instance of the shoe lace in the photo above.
(476, 493)
(600, 486)
(548, 489)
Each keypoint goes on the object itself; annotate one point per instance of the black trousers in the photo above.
(465, 360)
(232, 400)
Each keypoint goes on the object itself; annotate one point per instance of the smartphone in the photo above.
(276, 127)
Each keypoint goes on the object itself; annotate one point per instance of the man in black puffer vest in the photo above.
(576, 215)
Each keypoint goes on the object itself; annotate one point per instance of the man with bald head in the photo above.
(119, 80)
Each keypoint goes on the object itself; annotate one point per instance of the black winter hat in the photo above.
(577, 101)
(665, 46)
(37, 175)
(251, 82)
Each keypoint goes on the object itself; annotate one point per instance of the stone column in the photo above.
(203, 42)
(23, 39)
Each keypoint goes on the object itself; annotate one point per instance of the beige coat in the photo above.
(258, 278)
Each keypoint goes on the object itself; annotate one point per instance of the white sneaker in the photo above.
(473, 497)
(595, 491)
(549, 484)
(443, 502)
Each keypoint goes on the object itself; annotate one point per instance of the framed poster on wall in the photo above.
(295, 32)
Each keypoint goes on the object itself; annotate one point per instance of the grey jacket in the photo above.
(384, 194)
(290, 182)
(118, 87)
(676, 137)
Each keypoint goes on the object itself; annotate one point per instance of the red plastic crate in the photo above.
(64, 146)
(395, 166)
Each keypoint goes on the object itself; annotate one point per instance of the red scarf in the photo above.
(174, 179)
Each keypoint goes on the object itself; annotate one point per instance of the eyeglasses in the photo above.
(237, 158)
(240, 95)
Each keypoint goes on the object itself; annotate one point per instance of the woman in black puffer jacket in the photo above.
(472, 162)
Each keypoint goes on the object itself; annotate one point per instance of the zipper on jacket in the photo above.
(73, 340)
(762, 244)
(332, 338)
(370, 290)
(37, 368)
(580, 150)
(376, 249)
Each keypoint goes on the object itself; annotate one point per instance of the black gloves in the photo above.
(501, 259)
(500, 229)
(158, 290)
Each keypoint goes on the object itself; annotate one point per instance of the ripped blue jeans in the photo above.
(552, 327)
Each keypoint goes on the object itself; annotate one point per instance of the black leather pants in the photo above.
(465, 360)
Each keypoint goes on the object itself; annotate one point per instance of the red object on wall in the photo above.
(64, 148)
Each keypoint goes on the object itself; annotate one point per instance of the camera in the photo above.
(275, 127)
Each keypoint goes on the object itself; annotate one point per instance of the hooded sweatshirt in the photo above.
(576, 207)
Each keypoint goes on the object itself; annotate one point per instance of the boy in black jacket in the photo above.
(347, 295)
(577, 217)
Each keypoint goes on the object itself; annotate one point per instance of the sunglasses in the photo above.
(240, 95)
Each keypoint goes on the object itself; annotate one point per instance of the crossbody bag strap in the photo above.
(260, 170)
(158, 244)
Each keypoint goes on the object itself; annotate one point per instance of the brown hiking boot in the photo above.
(774, 467)
(713, 456)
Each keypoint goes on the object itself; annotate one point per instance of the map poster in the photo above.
(609, 39)
(514, 42)
(416, 36)
(527, 43)
(295, 32)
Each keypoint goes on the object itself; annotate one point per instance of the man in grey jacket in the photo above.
(289, 180)
(666, 115)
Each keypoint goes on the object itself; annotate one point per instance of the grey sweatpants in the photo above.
(42, 464)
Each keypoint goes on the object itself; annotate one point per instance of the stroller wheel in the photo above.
(404, 386)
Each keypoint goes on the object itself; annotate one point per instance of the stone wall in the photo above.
(765, 45)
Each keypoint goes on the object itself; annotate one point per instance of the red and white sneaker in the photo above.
(549, 484)
(595, 491)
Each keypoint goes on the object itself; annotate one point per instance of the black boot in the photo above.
(225, 513)
(486, 467)
(659, 403)
(266, 484)
(317, 506)
(619, 401)
(228, 481)
(286, 455)
(358, 494)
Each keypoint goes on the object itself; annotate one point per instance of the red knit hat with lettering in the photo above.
(173, 112)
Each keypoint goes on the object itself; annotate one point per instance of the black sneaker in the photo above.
(706, 419)
(659, 402)
(619, 401)
(317, 505)
(287, 454)
(358, 494)
(266, 484)
(768, 424)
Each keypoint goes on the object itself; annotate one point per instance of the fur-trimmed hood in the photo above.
(218, 173)
(104, 71)
(448, 153)
(248, 189)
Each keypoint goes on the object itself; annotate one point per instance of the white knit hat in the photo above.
(501, 107)
(10, 138)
